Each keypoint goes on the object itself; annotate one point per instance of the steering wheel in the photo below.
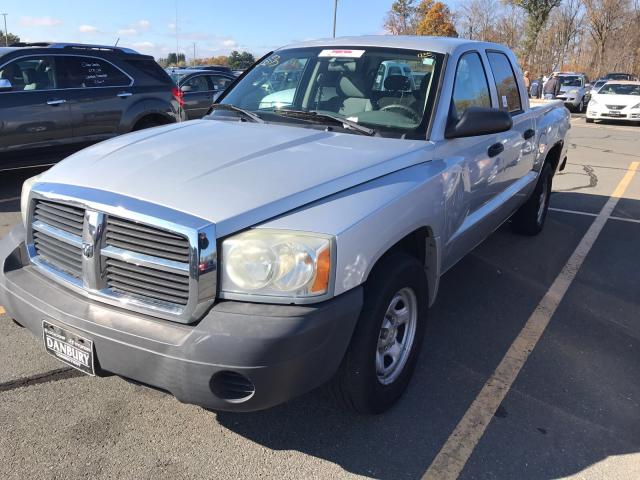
(408, 112)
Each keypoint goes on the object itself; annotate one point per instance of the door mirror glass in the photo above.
(477, 121)
(5, 85)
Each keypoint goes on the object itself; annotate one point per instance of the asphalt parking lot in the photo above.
(573, 410)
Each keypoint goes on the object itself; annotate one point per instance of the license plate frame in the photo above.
(70, 348)
(615, 113)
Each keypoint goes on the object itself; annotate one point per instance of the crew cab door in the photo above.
(34, 114)
(99, 95)
(519, 154)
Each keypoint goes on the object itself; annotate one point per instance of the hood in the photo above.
(235, 174)
(566, 88)
(610, 99)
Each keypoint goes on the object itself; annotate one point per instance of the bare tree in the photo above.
(538, 12)
(604, 18)
(400, 20)
(477, 19)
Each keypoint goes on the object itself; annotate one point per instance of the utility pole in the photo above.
(6, 34)
(177, 46)
(194, 53)
(335, 16)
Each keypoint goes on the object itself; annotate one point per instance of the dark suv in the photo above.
(56, 99)
(200, 88)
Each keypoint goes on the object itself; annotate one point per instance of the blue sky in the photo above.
(217, 27)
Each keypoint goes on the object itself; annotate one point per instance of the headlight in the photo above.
(636, 106)
(24, 196)
(574, 91)
(592, 101)
(276, 263)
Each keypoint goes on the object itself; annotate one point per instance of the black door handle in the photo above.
(528, 133)
(495, 149)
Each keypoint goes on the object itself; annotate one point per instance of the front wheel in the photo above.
(387, 340)
(530, 217)
(589, 120)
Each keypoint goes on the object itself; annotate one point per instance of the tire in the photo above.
(580, 108)
(358, 385)
(589, 120)
(147, 123)
(530, 217)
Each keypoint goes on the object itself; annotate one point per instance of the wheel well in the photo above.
(422, 245)
(553, 156)
(153, 119)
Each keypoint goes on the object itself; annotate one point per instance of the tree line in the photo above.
(235, 60)
(591, 36)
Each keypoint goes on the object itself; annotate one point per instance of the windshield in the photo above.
(570, 81)
(389, 90)
(620, 89)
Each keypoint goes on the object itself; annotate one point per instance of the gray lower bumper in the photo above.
(284, 350)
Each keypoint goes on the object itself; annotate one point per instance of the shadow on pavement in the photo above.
(483, 303)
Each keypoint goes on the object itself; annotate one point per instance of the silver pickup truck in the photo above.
(293, 238)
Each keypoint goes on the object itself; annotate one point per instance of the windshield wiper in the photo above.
(324, 118)
(246, 114)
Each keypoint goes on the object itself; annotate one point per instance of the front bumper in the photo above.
(282, 350)
(603, 114)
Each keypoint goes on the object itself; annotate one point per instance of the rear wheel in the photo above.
(384, 349)
(148, 122)
(580, 108)
(589, 120)
(530, 217)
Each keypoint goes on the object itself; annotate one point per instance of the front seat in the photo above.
(355, 100)
(12, 73)
(30, 76)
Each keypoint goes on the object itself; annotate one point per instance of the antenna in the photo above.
(116, 44)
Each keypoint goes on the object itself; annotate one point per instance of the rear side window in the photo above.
(506, 85)
(470, 88)
(87, 72)
(150, 69)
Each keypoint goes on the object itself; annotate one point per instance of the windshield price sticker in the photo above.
(342, 53)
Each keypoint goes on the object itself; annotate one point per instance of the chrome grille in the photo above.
(615, 107)
(63, 256)
(156, 261)
(67, 218)
(57, 236)
(128, 278)
(135, 237)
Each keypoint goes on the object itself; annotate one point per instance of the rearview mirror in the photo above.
(5, 85)
(477, 121)
(186, 88)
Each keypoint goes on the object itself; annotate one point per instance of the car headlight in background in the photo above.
(636, 106)
(592, 101)
(573, 92)
(277, 263)
(24, 196)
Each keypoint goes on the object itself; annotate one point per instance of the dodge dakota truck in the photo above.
(275, 247)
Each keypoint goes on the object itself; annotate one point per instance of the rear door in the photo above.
(198, 95)
(35, 126)
(219, 83)
(517, 159)
(99, 94)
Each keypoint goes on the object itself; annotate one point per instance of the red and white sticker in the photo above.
(342, 53)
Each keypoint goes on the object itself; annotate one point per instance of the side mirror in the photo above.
(476, 121)
(186, 88)
(5, 85)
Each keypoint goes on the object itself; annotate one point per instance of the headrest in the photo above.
(329, 79)
(397, 83)
(349, 89)
(29, 75)
(10, 72)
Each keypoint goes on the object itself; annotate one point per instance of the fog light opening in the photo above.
(232, 387)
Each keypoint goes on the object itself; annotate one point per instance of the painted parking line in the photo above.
(5, 200)
(2, 310)
(589, 214)
(457, 450)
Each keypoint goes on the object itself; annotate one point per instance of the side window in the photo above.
(198, 84)
(470, 88)
(87, 72)
(219, 82)
(506, 85)
(31, 73)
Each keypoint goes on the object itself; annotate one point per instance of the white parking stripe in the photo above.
(2, 310)
(456, 451)
(575, 212)
(13, 199)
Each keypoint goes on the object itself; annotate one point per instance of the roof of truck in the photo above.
(436, 44)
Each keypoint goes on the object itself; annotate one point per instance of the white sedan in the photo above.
(616, 100)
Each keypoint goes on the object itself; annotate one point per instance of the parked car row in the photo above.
(615, 100)
(199, 89)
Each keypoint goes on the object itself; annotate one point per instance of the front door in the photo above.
(35, 126)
